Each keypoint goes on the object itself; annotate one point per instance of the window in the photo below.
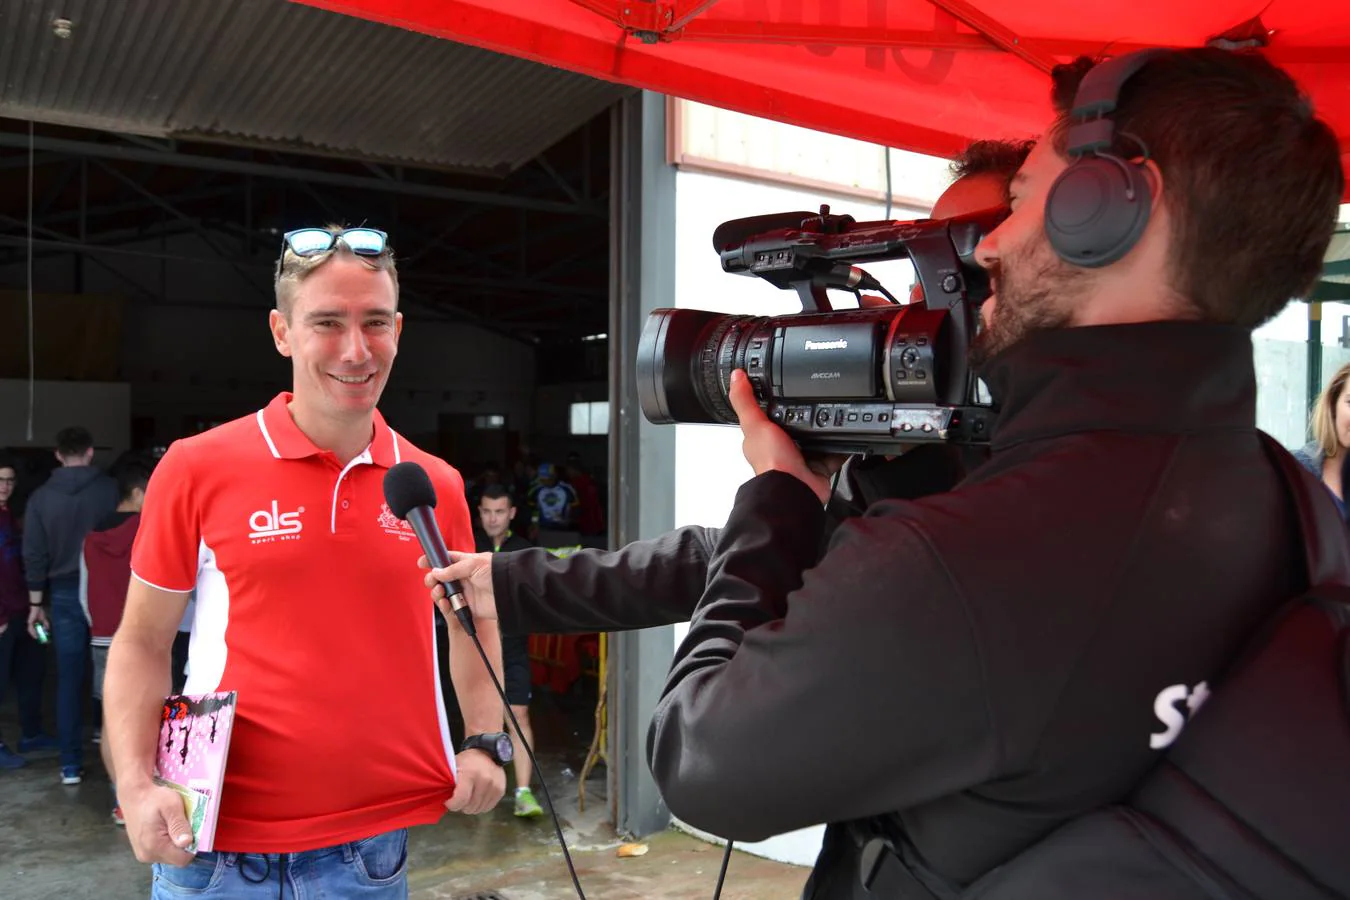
(590, 418)
(489, 422)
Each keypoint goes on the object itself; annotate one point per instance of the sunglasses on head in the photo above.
(313, 241)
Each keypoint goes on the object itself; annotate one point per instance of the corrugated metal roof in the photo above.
(276, 73)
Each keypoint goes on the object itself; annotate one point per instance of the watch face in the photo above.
(504, 748)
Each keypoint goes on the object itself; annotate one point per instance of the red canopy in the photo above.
(922, 75)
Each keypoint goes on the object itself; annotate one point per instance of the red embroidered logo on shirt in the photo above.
(392, 524)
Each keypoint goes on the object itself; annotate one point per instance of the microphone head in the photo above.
(406, 487)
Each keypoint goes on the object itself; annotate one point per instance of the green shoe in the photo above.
(526, 806)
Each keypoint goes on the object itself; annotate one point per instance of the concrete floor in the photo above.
(59, 842)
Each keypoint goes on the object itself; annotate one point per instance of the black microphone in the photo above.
(411, 496)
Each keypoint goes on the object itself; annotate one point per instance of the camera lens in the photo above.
(684, 363)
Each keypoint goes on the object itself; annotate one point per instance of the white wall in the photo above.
(709, 466)
(1280, 352)
(102, 407)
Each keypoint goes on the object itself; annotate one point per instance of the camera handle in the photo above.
(814, 295)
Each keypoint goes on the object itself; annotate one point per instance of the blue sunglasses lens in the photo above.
(309, 241)
(365, 241)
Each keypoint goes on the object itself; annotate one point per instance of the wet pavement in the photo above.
(60, 842)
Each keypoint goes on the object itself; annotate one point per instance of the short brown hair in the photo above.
(1253, 178)
(1323, 424)
(292, 269)
(74, 440)
(1000, 158)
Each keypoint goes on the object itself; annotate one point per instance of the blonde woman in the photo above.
(1325, 455)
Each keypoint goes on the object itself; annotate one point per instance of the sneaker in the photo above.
(37, 744)
(11, 760)
(526, 806)
(71, 774)
(118, 818)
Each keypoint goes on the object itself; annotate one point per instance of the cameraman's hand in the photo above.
(768, 447)
(473, 571)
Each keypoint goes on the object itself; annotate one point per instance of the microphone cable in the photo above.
(466, 621)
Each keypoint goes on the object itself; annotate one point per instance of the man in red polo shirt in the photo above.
(309, 605)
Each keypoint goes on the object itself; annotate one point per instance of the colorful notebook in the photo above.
(194, 741)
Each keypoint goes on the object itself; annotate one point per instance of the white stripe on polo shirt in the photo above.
(206, 648)
(262, 426)
(363, 459)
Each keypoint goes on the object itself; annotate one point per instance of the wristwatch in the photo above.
(496, 744)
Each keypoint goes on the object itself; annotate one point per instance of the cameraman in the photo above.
(966, 672)
(978, 667)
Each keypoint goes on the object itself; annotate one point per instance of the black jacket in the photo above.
(979, 666)
(512, 544)
(659, 581)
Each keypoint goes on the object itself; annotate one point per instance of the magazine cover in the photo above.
(194, 741)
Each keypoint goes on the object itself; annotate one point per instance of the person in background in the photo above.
(555, 502)
(1325, 455)
(21, 659)
(60, 514)
(495, 512)
(590, 510)
(105, 573)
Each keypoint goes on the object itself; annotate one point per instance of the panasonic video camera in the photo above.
(849, 380)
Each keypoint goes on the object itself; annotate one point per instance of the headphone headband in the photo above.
(1099, 206)
(1096, 100)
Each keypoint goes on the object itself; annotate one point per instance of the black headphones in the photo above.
(1098, 207)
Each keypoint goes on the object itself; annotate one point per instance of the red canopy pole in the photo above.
(998, 33)
(694, 12)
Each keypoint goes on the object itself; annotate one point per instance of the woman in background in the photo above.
(1326, 454)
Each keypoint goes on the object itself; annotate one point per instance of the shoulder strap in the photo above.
(1326, 540)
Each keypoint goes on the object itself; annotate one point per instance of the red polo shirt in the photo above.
(310, 605)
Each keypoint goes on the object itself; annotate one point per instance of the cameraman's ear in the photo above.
(1153, 175)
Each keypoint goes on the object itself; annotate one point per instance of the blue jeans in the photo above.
(70, 636)
(373, 869)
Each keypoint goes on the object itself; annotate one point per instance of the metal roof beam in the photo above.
(420, 280)
(185, 219)
(20, 160)
(178, 159)
(138, 205)
(112, 270)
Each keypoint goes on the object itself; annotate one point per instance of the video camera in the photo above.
(839, 381)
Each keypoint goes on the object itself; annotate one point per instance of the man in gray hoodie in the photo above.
(60, 514)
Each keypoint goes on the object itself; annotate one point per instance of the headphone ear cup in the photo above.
(1097, 210)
